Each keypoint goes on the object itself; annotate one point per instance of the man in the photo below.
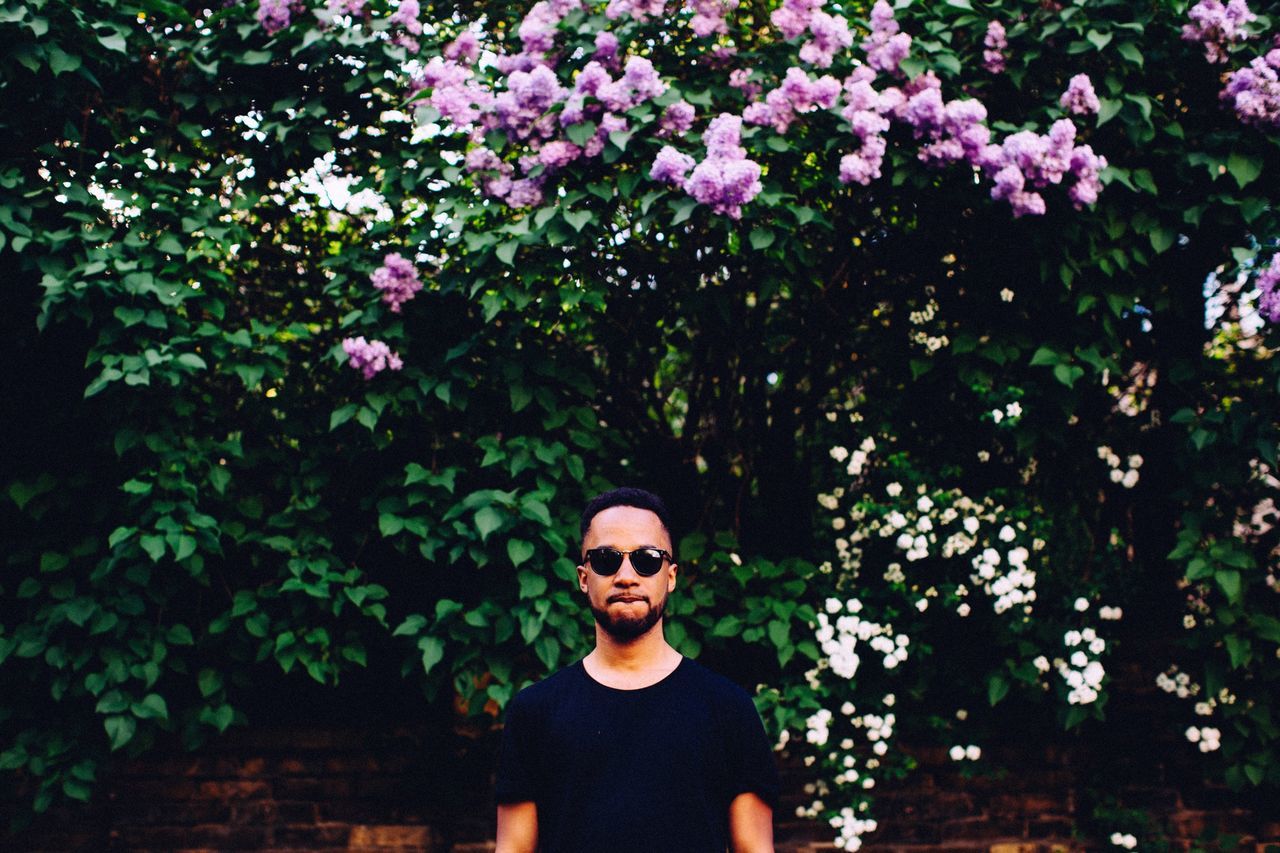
(634, 748)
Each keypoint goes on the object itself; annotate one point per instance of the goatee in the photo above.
(624, 627)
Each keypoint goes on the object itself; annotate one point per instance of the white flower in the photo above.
(1006, 295)
(1116, 475)
(1072, 638)
(1082, 604)
(1079, 659)
(1041, 663)
(1007, 533)
(1014, 409)
(925, 524)
(924, 504)
(1135, 461)
(997, 415)
(735, 559)
(834, 605)
(868, 445)
(970, 525)
(838, 523)
(973, 753)
(1130, 479)
(905, 541)
(922, 605)
(1098, 645)
(880, 747)
(893, 489)
(956, 753)
(839, 454)
(1193, 734)
(963, 609)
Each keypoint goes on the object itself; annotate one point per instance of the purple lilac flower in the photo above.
(886, 47)
(398, 280)
(589, 80)
(740, 79)
(671, 166)
(1080, 99)
(725, 180)
(1087, 167)
(557, 154)
(525, 192)
(709, 16)
(406, 15)
(796, 94)
(1216, 26)
(792, 17)
(830, 34)
(537, 30)
(606, 48)
(677, 118)
(863, 166)
(273, 15)
(1254, 91)
(370, 357)
(465, 48)
(638, 10)
(345, 7)
(1269, 291)
(995, 43)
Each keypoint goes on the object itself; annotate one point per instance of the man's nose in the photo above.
(627, 573)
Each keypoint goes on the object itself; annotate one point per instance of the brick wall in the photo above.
(381, 788)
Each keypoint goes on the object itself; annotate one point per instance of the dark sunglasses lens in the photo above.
(647, 561)
(604, 561)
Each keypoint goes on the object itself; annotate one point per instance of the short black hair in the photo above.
(626, 496)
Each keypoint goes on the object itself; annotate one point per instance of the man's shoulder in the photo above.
(714, 685)
(540, 692)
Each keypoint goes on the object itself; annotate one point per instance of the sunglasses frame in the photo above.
(665, 558)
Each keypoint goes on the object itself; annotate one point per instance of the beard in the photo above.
(625, 627)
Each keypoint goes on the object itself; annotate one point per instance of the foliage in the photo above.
(203, 207)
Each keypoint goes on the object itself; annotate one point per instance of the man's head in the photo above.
(627, 603)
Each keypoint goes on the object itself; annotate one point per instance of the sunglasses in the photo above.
(646, 561)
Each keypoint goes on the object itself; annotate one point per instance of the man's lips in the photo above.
(627, 598)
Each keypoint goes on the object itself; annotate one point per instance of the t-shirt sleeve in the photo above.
(751, 761)
(515, 781)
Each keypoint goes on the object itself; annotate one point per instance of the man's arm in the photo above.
(750, 824)
(517, 828)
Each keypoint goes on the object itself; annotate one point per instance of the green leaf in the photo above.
(997, 688)
(1130, 51)
(578, 218)
(506, 252)
(411, 626)
(432, 652)
(532, 585)
(153, 545)
(761, 238)
(728, 626)
(519, 551)
(190, 359)
(1162, 239)
(1108, 109)
(1229, 581)
(60, 61)
(152, 707)
(210, 682)
(120, 730)
(390, 524)
(581, 133)
(1244, 169)
(683, 209)
(488, 520)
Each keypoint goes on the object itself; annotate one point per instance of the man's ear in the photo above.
(671, 576)
(582, 578)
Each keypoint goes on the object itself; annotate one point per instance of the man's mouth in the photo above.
(626, 598)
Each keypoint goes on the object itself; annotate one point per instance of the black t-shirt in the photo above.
(634, 770)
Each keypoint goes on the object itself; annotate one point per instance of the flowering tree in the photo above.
(440, 272)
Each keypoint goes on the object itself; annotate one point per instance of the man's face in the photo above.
(626, 604)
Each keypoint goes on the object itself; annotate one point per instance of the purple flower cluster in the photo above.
(1027, 161)
(354, 8)
(1080, 99)
(995, 44)
(274, 15)
(797, 94)
(370, 357)
(639, 10)
(406, 17)
(397, 279)
(725, 180)
(1217, 26)
(1254, 91)
(676, 119)
(886, 47)
(1269, 291)
(709, 16)
(827, 33)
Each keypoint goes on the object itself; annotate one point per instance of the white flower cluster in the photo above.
(1111, 614)
(1082, 672)
(1207, 737)
(818, 728)
(851, 829)
(1124, 472)
(1179, 683)
(839, 640)
(1012, 587)
(961, 753)
(1012, 412)
(857, 459)
(1125, 840)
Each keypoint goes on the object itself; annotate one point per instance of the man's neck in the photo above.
(644, 656)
